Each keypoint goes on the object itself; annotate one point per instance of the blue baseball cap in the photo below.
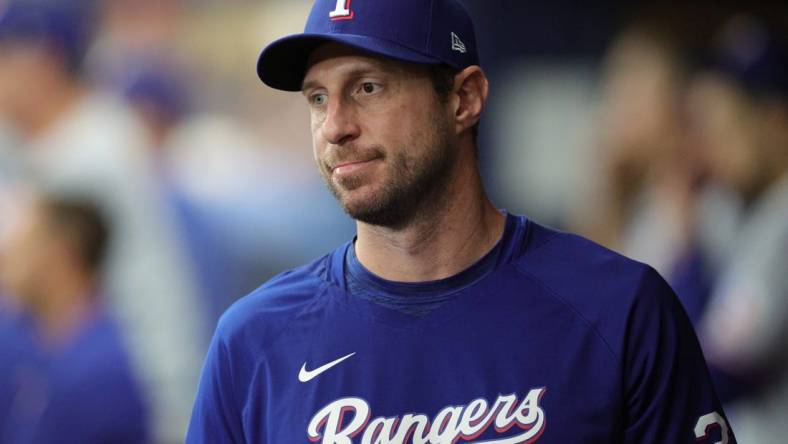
(429, 32)
(64, 25)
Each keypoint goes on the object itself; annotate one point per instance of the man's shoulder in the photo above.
(549, 253)
(268, 309)
(600, 285)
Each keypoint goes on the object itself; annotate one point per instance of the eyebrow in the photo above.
(308, 85)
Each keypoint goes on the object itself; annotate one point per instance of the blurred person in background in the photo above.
(255, 195)
(74, 139)
(66, 372)
(136, 55)
(211, 156)
(156, 92)
(739, 115)
(209, 168)
(648, 201)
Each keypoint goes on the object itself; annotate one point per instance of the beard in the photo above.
(414, 185)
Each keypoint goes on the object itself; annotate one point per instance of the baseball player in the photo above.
(445, 320)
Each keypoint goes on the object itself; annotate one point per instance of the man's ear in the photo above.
(470, 89)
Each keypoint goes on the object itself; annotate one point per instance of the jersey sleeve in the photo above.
(669, 397)
(216, 416)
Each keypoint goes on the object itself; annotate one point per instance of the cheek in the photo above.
(317, 154)
(399, 123)
(416, 124)
(317, 117)
(316, 128)
(319, 148)
(316, 138)
(318, 144)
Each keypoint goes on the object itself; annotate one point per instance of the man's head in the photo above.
(738, 108)
(42, 46)
(58, 240)
(395, 95)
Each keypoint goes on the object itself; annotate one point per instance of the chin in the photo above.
(355, 203)
(377, 211)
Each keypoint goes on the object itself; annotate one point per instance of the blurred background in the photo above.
(148, 180)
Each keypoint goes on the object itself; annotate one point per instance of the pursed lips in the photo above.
(349, 166)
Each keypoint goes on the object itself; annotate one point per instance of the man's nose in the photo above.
(340, 125)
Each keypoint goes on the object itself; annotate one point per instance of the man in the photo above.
(66, 373)
(445, 320)
(76, 140)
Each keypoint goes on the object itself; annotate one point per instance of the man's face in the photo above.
(20, 65)
(382, 138)
(27, 255)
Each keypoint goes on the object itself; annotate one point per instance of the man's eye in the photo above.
(369, 87)
(319, 99)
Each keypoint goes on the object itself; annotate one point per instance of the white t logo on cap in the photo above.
(342, 11)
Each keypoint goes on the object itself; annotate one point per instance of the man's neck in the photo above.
(455, 235)
(65, 310)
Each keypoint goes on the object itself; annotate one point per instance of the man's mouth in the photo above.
(347, 167)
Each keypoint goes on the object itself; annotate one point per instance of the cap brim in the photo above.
(283, 63)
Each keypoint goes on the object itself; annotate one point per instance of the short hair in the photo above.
(81, 223)
(442, 77)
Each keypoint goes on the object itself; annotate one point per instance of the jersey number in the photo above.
(706, 422)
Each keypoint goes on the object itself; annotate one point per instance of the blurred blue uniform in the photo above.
(83, 393)
(14, 349)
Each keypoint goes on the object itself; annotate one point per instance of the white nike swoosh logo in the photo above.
(307, 375)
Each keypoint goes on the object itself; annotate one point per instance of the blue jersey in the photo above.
(84, 393)
(560, 341)
(14, 348)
